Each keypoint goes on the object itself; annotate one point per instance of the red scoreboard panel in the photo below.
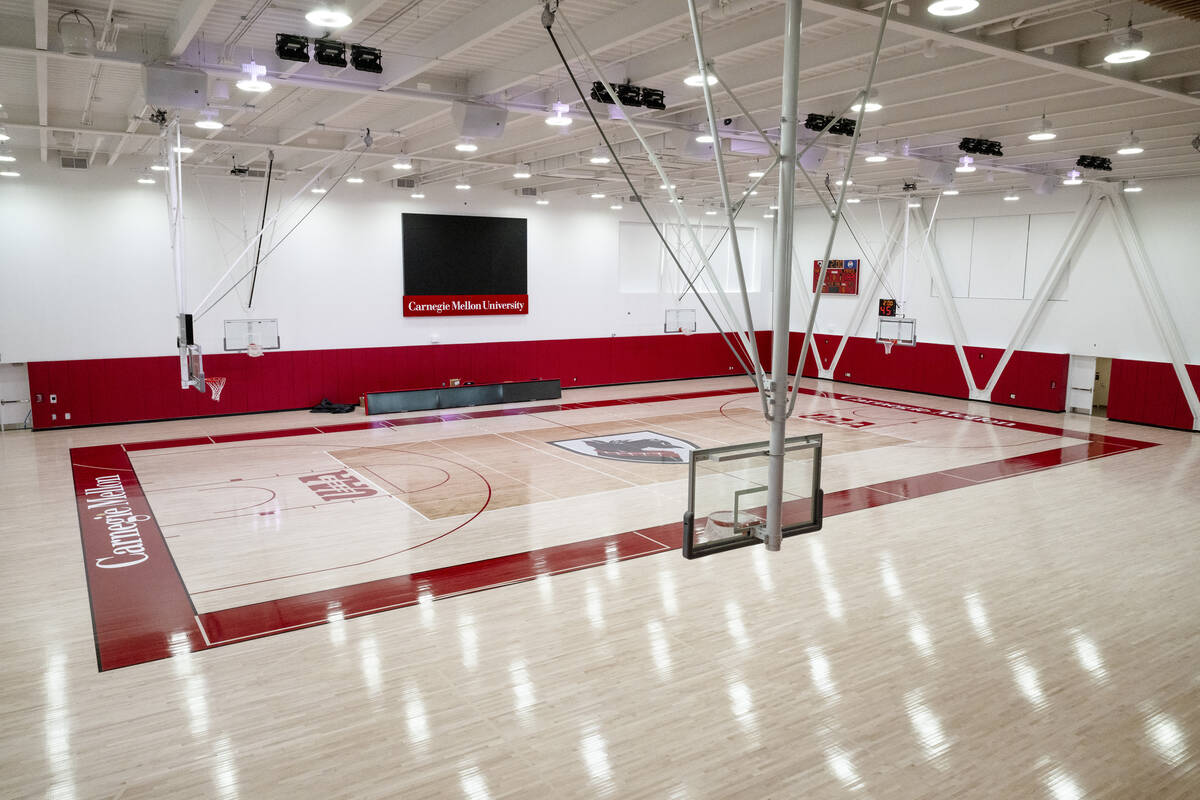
(840, 278)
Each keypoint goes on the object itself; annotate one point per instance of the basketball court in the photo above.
(618, 399)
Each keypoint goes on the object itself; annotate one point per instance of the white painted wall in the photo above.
(86, 270)
(1101, 311)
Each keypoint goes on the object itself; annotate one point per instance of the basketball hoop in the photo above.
(216, 386)
(888, 344)
(687, 331)
(254, 350)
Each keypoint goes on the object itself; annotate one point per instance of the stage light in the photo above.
(253, 81)
(355, 179)
(704, 138)
(965, 164)
(629, 95)
(289, 47)
(1128, 47)
(876, 158)
(1072, 178)
(542, 202)
(329, 18)
(601, 94)
(952, 8)
(208, 120)
(366, 59)
(1131, 187)
(402, 162)
(1044, 133)
(1012, 197)
(1094, 162)
(462, 185)
(986, 147)
(145, 178)
(654, 99)
(329, 53)
(559, 120)
(417, 195)
(872, 104)
(1131, 147)
(522, 172)
(466, 146)
(697, 80)
(949, 192)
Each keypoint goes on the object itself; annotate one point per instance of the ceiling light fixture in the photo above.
(8, 173)
(1012, 197)
(965, 164)
(466, 146)
(6, 155)
(664, 186)
(417, 195)
(522, 172)
(768, 216)
(4, 137)
(183, 150)
(1072, 178)
(710, 213)
(1131, 147)
(876, 158)
(402, 162)
(1044, 133)
(616, 206)
(253, 81)
(462, 185)
(914, 203)
(1132, 186)
(697, 80)
(355, 179)
(560, 118)
(145, 178)
(853, 199)
(704, 138)
(1129, 47)
(159, 167)
(208, 120)
(838, 182)
(329, 18)
(952, 8)
(598, 195)
(599, 157)
(318, 189)
(755, 173)
(950, 192)
(872, 104)
(542, 202)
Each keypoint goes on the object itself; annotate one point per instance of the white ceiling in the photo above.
(989, 74)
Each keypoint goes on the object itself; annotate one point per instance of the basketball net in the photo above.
(216, 386)
(686, 331)
(887, 346)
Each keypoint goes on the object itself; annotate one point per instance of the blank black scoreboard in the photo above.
(458, 265)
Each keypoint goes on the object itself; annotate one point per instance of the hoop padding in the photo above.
(216, 386)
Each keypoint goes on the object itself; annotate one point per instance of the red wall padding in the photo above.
(1148, 392)
(98, 391)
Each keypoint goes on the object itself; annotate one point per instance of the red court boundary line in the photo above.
(142, 611)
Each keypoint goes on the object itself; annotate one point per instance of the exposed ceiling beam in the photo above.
(188, 18)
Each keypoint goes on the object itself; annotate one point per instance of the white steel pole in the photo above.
(781, 315)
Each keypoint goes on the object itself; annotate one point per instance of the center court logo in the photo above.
(643, 447)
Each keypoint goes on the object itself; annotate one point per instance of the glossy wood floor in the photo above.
(1031, 636)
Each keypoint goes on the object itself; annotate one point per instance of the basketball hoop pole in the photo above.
(782, 312)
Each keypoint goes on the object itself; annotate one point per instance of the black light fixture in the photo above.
(819, 122)
(366, 59)
(329, 52)
(983, 147)
(629, 95)
(290, 47)
(601, 94)
(654, 99)
(1094, 162)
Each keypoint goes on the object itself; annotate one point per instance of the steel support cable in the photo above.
(282, 239)
(841, 200)
(863, 249)
(642, 204)
(548, 18)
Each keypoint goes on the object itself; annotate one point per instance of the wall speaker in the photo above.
(935, 173)
(175, 87)
(479, 120)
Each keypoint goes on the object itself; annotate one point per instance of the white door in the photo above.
(1080, 379)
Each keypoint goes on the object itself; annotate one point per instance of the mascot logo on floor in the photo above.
(643, 447)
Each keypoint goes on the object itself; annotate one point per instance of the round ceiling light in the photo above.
(328, 18)
(698, 80)
(952, 8)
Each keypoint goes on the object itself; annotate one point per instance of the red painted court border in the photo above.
(141, 610)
